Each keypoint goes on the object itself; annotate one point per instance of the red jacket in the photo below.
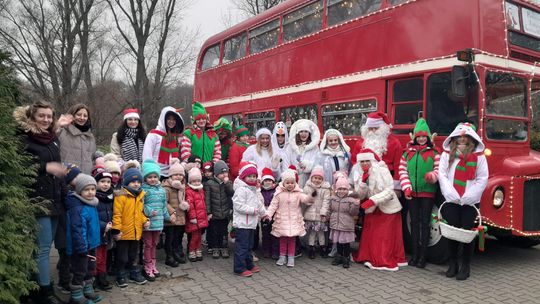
(235, 156)
(197, 209)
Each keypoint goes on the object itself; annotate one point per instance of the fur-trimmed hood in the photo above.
(342, 145)
(24, 122)
(304, 125)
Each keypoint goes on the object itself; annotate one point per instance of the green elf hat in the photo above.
(198, 111)
(222, 124)
(421, 129)
(241, 131)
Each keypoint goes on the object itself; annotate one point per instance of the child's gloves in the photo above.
(367, 204)
(184, 206)
(431, 177)
(408, 193)
(193, 221)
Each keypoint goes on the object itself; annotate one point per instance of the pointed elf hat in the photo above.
(199, 111)
(241, 131)
(222, 124)
(421, 128)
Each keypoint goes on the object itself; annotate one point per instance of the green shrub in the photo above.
(535, 141)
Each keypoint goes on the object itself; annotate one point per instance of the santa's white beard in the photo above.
(376, 140)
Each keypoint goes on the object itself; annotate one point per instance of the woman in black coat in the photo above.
(37, 129)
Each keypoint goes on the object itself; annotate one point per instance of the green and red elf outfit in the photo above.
(223, 129)
(418, 176)
(236, 152)
(163, 143)
(202, 142)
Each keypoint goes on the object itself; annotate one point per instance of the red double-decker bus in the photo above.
(335, 61)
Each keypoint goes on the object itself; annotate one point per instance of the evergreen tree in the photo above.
(17, 219)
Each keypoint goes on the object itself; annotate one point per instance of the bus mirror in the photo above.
(459, 81)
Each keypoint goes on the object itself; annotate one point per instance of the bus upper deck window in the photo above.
(340, 11)
(396, 2)
(303, 21)
(234, 48)
(211, 57)
(263, 37)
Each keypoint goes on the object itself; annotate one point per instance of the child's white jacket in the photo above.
(248, 205)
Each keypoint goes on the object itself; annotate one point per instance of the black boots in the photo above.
(311, 253)
(179, 257)
(170, 261)
(452, 268)
(102, 282)
(346, 251)
(322, 252)
(46, 296)
(465, 270)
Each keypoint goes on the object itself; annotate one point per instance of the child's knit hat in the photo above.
(220, 167)
(150, 167)
(288, 174)
(247, 168)
(101, 175)
(130, 175)
(111, 163)
(317, 171)
(194, 174)
(267, 174)
(207, 166)
(342, 183)
(83, 181)
(72, 172)
(176, 167)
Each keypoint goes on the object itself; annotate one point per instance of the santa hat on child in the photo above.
(367, 154)
(131, 113)
(267, 174)
(247, 168)
(376, 120)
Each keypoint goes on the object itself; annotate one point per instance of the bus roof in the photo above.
(251, 22)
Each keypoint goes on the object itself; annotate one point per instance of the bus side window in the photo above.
(396, 2)
(303, 21)
(234, 48)
(535, 103)
(340, 11)
(292, 114)
(264, 37)
(347, 117)
(255, 121)
(407, 98)
(211, 57)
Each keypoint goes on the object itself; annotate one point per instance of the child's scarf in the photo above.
(465, 170)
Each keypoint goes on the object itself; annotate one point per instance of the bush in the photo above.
(17, 221)
(535, 141)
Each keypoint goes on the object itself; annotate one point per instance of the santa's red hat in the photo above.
(131, 113)
(367, 154)
(267, 174)
(376, 120)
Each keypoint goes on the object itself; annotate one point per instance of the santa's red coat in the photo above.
(392, 157)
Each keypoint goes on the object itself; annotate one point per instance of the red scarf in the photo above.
(168, 148)
(465, 171)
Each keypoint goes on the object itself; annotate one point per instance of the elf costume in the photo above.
(463, 178)
(162, 143)
(224, 130)
(418, 177)
(202, 143)
(236, 152)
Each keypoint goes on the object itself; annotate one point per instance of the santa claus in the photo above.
(377, 136)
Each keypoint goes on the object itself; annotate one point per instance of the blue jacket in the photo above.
(155, 199)
(105, 212)
(82, 225)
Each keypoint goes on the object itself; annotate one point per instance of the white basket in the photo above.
(458, 234)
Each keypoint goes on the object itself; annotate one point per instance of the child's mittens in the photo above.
(193, 221)
(431, 177)
(146, 224)
(209, 216)
(367, 204)
(408, 193)
(184, 206)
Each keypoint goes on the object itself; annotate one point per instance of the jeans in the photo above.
(45, 235)
(242, 250)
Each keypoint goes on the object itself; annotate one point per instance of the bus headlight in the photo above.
(498, 198)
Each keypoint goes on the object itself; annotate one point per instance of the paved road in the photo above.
(500, 275)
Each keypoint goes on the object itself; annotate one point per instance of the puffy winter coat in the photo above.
(105, 213)
(321, 201)
(197, 209)
(380, 189)
(175, 196)
(155, 199)
(235, 156)
(128, 214)
(342, 212)
(46, 186)
(287, 213)
(218, 198)
(82, 225)
(334, 160)
(303, 156)
(248, 205)
(77, 147)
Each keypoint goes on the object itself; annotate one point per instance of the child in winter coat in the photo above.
(343, 209)
(197, 218)
(270, 243)
(83, 237)
(248, 206)
(303, 149)
(314, 214)
(335, 155)
(104, 194)
(218, 193)
(237, 150)
(127, 225)
(288, 220)
(176, 205)
(381, 246)
(155, 208)
(418, 175)
(463, 176)
(208, 171)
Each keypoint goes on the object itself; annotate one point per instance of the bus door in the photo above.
(405, 103)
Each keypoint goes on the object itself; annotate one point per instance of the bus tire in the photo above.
(437, 252)
(519, 241)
